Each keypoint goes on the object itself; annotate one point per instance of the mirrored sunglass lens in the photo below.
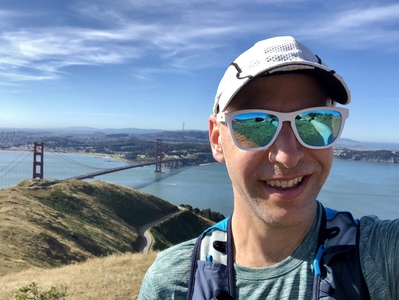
(253, 130)
(318, 128)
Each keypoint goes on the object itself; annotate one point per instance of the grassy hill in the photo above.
(115, 277)
(52, 224)
(181, 227)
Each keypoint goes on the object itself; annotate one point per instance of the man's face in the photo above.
(277, 185)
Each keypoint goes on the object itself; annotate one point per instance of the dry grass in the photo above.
(47, 228)
(116, 276)
(51, 224)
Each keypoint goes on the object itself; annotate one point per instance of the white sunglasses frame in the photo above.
(283, 117)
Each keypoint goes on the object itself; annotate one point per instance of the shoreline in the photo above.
(376, 156)
(99, 155)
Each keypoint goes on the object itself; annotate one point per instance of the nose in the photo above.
(286, 150)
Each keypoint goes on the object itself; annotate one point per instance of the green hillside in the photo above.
(179, 228)
(54, 223)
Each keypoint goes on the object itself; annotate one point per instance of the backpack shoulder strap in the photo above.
(212, 269)
(336, 266)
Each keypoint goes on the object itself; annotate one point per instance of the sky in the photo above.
(156, 64)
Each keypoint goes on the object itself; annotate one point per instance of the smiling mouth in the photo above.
(285, 184)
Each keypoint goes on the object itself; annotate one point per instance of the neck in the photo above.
(259, 244)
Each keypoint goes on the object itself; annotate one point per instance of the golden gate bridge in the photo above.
(18, 169)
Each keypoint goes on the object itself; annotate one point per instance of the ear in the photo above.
(215, 139)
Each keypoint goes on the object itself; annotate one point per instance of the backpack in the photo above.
(337, 272)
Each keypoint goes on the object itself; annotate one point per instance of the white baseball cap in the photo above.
(276, 56)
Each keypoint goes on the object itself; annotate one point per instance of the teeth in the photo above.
(284, 183)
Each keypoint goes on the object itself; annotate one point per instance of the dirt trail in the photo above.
(145, 235)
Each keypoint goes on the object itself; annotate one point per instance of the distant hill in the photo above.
(84, 130)
(349, 144)
(54, 223)
(364, 146)
(380, 156)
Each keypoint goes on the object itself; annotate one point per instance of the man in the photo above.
(274, 124)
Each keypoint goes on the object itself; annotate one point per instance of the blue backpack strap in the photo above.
(337, 268)
(193, 268)
(212, 268)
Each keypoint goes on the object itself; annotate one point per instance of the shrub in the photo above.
(31, 292)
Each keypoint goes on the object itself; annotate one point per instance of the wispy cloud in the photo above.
(175, 35)
(370, 27)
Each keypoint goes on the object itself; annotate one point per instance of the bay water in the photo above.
(363, 188)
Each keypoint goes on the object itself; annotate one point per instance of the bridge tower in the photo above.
(159, 156)
(38, 151)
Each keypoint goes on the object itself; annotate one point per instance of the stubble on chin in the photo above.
(282, 217)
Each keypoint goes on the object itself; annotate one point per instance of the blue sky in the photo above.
(156, 64)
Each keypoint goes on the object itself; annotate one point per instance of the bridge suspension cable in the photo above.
(6, 171)
(61, 166)
(16, 166)
(75, 162)
(67, 167)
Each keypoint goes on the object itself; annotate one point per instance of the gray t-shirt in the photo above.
(292, 278)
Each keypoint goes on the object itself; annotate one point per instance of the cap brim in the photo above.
(328, 79)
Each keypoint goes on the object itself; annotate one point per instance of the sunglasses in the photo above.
(314, 128)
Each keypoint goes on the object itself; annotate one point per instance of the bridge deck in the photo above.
(107, 171)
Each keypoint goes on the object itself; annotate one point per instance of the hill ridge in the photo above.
(54, 223)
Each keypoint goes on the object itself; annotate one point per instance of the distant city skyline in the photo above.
(139, 64)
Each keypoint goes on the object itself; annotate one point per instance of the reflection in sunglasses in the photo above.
(323, 129)
(257, 129)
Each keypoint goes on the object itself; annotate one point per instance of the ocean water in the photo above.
(360, 187)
